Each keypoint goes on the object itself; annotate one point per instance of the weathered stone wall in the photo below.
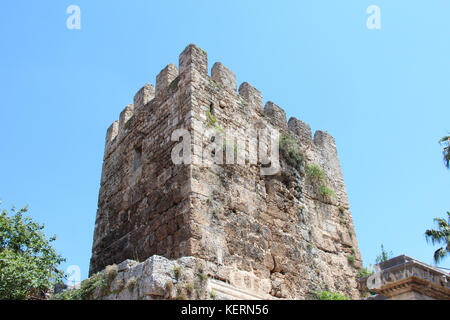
(159, 278)
(143, 203)
(272, 235)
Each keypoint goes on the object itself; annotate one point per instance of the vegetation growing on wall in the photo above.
(316, 174)
(111, 273)
(290, 151)
(178, 272)
(328, 295)
(326, 192)
(211, 122)
(351, 259)
(86, 289)
(173, 86)
(319, 181)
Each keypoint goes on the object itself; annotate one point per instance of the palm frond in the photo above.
(435, 236)
(443, 225)
(445, 141)
(440, 236)
(439, 254)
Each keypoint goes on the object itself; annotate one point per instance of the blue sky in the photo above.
(383, 94)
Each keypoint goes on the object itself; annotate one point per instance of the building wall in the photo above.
(143, 202)
(268, 234)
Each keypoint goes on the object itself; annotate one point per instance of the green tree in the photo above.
(28, 262)
(440, 236)
(445, 142)
(384, 256)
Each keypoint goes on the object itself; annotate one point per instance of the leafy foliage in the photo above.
(351, 259)
(329, 295)
(440, 236)
(86, 289)
(384, 256)
(326, 192)
(364, 272)
(316, 173)
(290, 151)
(445, 142)
(173, 86)
(28, 262)
(211, 120)
(319, 180)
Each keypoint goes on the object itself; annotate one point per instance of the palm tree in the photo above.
(442, 235)
(445, 142)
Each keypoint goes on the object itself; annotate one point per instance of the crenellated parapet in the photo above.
(193, 64)
(276, 115)
(144, 96)
(252, 95)
(111, 133)
(165, 78)
(193, 68)
(224, 76)
(302, 130)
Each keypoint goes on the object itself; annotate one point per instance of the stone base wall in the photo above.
(185, 278)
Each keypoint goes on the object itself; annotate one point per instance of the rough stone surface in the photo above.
(224, 76)
(186, 278)
(281, 239)
(276, 114)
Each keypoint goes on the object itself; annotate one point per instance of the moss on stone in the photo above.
(173, 86)
(351, 259)
(202, 51)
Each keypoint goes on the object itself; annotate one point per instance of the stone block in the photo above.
(224, 76)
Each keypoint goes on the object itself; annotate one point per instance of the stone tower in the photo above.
(278, 235)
